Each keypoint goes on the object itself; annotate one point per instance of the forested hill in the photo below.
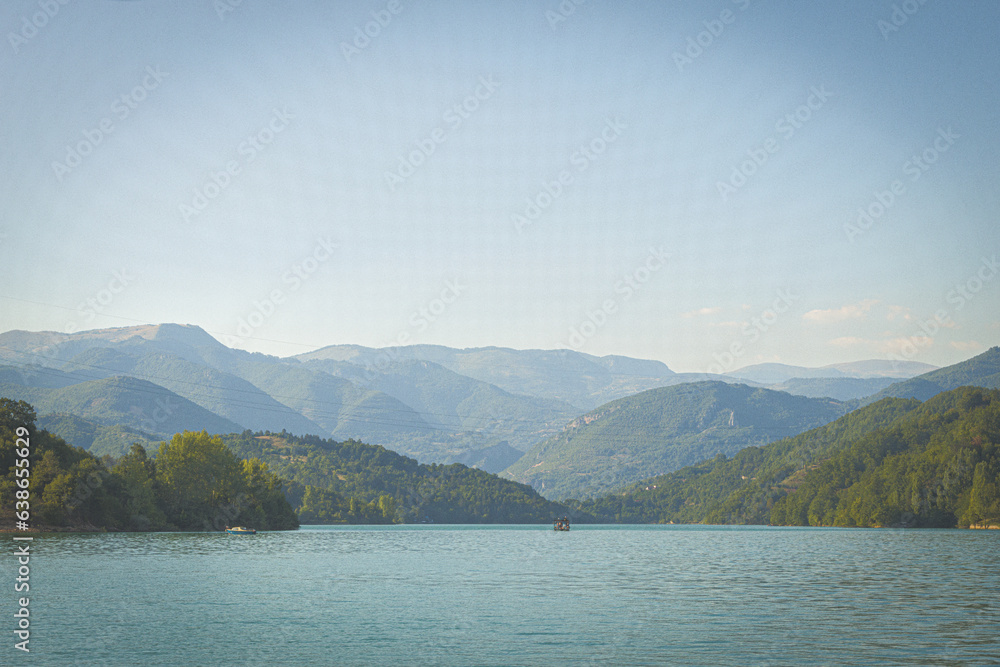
(664, 429)
(194, 483)
(982, 370)
(335, 482)
(895, 462)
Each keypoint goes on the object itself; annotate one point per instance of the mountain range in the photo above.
(484, 407)
(664, 429)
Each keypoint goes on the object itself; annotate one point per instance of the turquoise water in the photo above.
(514, 595)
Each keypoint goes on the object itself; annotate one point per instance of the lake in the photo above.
(514, 595)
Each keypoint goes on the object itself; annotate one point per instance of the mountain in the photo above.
(402, 398)
(127, 401)
(99, 439)
(840, 388)
(223, 393)
(459, 403)
(894, 462)
(581, 380)
(434, 403)
(661, 430)
(773, 373)
(491, 459)
(980, 371)
(882, 368)
(335, 482)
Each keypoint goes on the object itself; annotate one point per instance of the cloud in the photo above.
(849, 312)
(701, 311)
(898, 345)
(899, 311)
(966, 345)
(849, 341)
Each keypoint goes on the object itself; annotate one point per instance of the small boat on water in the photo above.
(240, 530)
(561, 524)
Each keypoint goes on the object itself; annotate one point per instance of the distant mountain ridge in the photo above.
(437, 404)
(774, 373)
(896, 462)
(983, 370)
(661, 430)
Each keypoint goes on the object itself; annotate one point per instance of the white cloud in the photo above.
(702, 311)
(849, 312)
(899, 311)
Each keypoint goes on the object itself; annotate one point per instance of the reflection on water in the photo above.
(518, 595)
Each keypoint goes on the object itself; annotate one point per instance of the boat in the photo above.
(240, 530)
(561, 524)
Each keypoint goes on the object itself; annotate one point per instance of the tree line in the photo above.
(194, 483)
(897, 462)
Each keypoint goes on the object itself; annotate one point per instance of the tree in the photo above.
(199, 478)
(984, 499)
(137, 473)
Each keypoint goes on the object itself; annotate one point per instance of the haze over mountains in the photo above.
(589, 423)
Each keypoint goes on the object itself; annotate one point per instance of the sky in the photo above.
(710, 184)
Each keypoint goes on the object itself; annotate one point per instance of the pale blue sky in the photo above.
(706, 264)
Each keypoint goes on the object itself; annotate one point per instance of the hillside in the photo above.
(419, 408)
(98, 439)
(938, 466)
(222, 393)
(980, 371)
(662, 430)
(842, 388)
(121, 400)
(581, 380)
(743, 488)
(194, 484)
(774, 373)
(346, 476)
(894, 462)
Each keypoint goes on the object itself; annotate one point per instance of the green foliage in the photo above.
(744, 488)
(351, 482)
(894, 463)
(195, 483)
(937, 467)
(121, 400)
(665, 429)
(98, 439)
